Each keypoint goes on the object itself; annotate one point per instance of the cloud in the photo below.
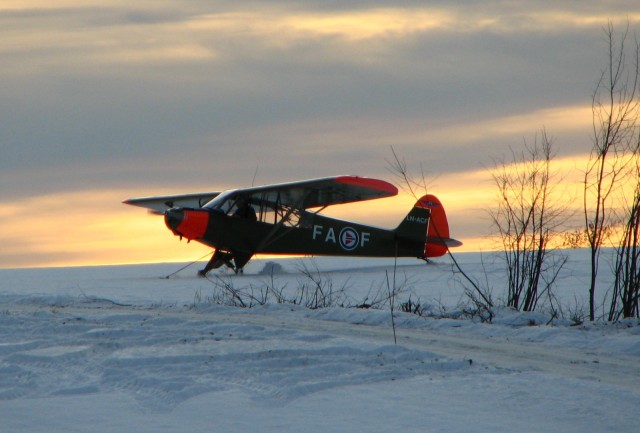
(197, 94)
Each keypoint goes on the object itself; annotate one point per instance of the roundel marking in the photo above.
(349, 239)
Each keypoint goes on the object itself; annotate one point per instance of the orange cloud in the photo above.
(556, 119)
(86, 228)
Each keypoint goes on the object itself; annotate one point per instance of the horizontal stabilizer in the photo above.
(449, 242)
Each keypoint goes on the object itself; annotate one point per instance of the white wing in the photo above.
(159, 204)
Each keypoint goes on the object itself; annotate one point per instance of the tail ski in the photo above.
(427, 221)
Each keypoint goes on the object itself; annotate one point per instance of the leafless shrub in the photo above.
(272, 288)
(576, 238)
(625, 296)
(616, 112)
(412, 307)
(527, 217)
(577, 313)
(380, 296)
(316, 290)
(227, 294)
(476, 307)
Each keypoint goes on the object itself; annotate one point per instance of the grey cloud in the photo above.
(199, 120)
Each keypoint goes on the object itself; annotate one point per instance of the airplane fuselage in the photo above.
(314, 235)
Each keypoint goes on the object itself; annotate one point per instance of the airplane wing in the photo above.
(314, 193)
(159, 204)
(303, 194)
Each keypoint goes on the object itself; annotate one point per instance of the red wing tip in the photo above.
(370, 183)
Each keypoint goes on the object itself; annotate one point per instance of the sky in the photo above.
(102, 101)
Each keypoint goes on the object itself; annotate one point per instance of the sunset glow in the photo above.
(94, 227)
(108, 100)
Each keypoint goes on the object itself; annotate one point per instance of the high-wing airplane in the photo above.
(285, 219)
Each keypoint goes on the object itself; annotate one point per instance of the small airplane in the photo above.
(285, 219)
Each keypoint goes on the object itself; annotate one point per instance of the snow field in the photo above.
(118, 349)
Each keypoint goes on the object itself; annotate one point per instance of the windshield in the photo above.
(264, 208)
(223, 202)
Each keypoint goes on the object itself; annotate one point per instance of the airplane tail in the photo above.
(427, 221)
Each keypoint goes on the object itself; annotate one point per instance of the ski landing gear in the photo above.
(235, 261)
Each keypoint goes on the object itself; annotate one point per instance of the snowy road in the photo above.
(478, 349)
(103, 351)
(502, 352)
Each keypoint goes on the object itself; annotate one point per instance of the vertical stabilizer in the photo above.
(414, 225)
(438, 233)
(427, 223)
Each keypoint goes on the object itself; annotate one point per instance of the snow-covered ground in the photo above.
(122, 349)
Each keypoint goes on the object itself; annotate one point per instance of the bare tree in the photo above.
(527, 217)
(625, 295)
(480, 297)
(413, 185)
(615, 108)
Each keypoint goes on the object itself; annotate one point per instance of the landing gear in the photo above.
(235, 261)
(218, 259)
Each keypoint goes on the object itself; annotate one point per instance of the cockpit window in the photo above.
(263, 207)
(223, 202)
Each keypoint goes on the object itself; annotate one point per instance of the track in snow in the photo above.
(477, 349)
(618, 370)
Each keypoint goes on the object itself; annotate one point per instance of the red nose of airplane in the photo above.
(190, 223)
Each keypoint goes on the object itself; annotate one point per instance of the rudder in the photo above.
(438, 232)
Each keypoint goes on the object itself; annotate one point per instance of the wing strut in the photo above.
(269, 237)
(235, 259)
